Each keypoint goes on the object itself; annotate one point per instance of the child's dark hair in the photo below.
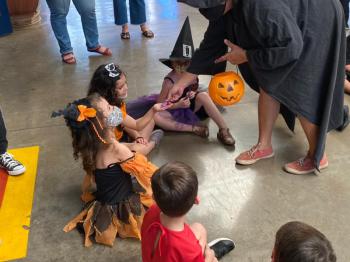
(175, 188)
(86, 136)
(104, 84)
(296, 241)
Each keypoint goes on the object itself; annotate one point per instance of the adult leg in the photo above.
(86, 9)
(121, 17)
(203, 100)
(138, 16)
(3, 139)
(120, 12)
(58, 13)
(345, 4)
(137, 12)
(7, 161)
(311, 131)
(268, 109)
(347, 66)
(306, 164)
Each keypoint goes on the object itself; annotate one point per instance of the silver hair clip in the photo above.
(113, 70)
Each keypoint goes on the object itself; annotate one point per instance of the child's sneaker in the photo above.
(156, 137)
(253, 155)
(12, 166)
(221, 246)
(305, 165)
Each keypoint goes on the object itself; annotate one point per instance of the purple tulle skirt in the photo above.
(138, 108)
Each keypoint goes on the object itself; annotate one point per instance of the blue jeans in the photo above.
(137, 10)
(59, 10)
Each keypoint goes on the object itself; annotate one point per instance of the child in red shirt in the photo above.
(165, 235)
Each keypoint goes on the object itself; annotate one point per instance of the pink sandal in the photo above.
(98, 49)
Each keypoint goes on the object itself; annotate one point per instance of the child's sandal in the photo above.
(201, 131)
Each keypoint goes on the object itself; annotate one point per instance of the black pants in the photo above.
(3, 140)
(345, 4)
(348, 50)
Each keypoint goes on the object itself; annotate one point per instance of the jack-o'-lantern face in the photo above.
(226, 88)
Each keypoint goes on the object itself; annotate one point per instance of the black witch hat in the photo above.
(183, 48)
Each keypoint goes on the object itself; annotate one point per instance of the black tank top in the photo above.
(113, 184)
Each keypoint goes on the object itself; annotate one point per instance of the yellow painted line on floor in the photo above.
(16, 207)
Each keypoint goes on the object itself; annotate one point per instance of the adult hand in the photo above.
(235, 56)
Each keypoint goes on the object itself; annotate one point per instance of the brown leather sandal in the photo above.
(125, 35)
(98, 49)
(69, 58)
(201, 131)
(148, 33)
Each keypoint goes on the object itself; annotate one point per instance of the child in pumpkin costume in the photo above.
(194, 105)
(122, 177)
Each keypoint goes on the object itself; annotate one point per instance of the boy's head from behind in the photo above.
(296, 242)
(175, 188)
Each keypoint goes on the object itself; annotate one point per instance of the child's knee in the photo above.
(203, 96)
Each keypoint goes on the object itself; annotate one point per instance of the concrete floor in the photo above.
(245, 204)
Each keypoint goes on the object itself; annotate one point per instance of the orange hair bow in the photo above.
(85, 113)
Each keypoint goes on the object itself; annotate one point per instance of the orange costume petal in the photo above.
(85, 113)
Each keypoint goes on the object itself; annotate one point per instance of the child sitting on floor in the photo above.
(185, 115)
(299, 242)
(118, 208)
(165, 235)
(109, 81)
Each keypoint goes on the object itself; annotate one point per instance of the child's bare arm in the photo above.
(166, 86)
(201, 234)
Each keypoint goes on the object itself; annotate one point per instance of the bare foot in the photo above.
(101, 50)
